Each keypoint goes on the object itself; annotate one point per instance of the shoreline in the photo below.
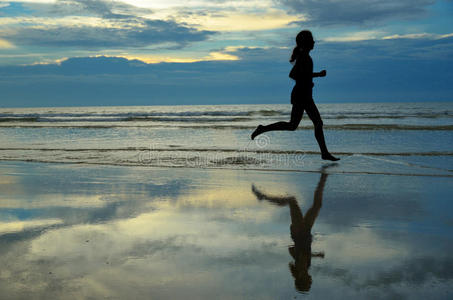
(313, 167)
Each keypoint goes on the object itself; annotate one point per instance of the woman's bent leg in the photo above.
(296, 115)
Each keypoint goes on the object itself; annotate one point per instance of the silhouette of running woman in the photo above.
(300, 232)
(301, 95)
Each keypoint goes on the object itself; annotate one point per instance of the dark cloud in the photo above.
(100, 8)
(105, 9)
(142, 33)
(125, 28)
(355, 12)
(400, 49)
(376, 70)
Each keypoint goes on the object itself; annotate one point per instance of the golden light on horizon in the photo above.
(4, 44)
(154, 59)
(272, 19)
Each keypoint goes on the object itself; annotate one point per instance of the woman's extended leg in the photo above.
(296, 115)
(313, 113)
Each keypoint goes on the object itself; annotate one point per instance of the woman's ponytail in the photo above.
(295, 54)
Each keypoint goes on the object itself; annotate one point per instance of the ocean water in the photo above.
(387, 138)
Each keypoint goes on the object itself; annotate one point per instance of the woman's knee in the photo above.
(292, 126)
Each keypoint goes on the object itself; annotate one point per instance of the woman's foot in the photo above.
(257, 131)
(328, 156)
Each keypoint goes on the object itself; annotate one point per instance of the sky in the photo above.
(140, 52)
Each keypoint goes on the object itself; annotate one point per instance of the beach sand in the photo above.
(76, 231)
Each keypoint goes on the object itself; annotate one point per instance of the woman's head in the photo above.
(304, 41)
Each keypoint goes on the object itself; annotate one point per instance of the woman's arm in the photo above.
(320, 74)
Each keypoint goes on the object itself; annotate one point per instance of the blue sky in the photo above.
(138, 52)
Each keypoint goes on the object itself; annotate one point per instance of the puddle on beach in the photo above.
(76, 231)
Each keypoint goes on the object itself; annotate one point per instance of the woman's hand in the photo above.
(320, 74)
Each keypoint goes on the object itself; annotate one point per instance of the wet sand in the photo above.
(74, 231)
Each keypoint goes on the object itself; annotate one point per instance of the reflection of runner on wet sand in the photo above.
(300, 232)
